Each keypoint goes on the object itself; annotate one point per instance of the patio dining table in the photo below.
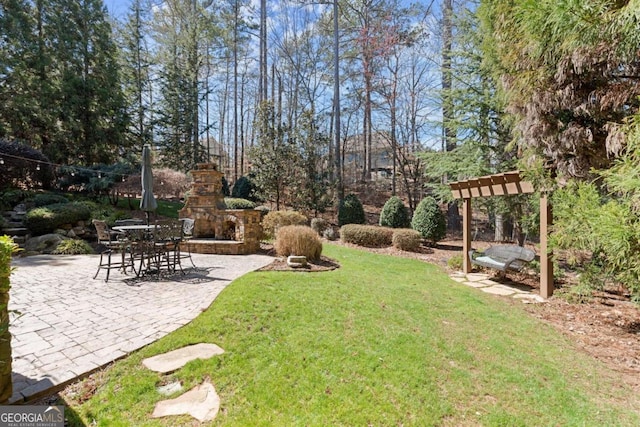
(141, 237)
(156, 246)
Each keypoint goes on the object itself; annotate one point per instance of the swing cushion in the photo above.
(503, 257)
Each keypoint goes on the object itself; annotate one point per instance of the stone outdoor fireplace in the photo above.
(218, 230)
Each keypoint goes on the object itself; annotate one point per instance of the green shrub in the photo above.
(73, 247)
(10, 198)
(371, 236)
(319, 225)
(350, 211)
(276, 219)
(236, 203)
(394, 214)
(605, 227)
(429, 220)
(298, 240)
(406, 239)
(244, 188)
(7, 248)
(45, 199)
(455, 262)
(46, 219)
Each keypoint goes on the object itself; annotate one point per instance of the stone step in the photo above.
(13, 224)
(15, 231)
(14, 216)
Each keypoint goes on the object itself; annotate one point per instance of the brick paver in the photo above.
(66, 325)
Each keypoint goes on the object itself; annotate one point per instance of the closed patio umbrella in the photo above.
(148, 202)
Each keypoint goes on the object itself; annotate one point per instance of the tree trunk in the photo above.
(453, 217)
(263, 51)
(336, 103)
(498, 235)
(448, 125)
(235, 93)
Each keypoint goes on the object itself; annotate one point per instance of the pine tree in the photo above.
(90, 109)
(136, 66)
(274, 157)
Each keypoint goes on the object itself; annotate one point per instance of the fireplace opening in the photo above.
(228, 230)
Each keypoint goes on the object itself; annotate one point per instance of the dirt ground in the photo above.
(606, 326)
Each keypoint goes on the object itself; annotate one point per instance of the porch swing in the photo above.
(504, 257)
(501, 257)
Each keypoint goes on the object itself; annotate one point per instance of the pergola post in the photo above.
(546, 256)
(466, 235)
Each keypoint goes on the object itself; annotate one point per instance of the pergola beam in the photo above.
(503, 184)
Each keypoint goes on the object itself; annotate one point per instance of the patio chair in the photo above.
(187, 234)
(166, 237)
(112, 241)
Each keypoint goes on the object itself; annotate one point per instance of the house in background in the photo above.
(354, 157)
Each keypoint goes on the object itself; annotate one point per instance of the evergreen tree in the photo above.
(61, 89)
(311, 181)
(570, 70)
(136, 65)
(274, 157)
(25, 89)
(90, 107)
(183, 31)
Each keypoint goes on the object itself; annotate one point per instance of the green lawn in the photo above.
(165, 208)
(381, 341)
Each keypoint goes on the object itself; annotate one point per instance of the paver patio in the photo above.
(66, 324)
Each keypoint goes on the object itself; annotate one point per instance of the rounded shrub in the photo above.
(350, 211)
(45, 199)
(276, 219)
(300, 240)
(244, 188)
(73, 247)
(371, 236)
(406, 239)
(429, 220)
(394, 214)
(236, 203)
(319, 225)
(46, 219)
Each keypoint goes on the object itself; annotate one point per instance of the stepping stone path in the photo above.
(176, 359)
(484, 283)
(201, 402)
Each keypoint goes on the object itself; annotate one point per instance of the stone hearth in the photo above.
(218, 230)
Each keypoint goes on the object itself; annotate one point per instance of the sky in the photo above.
(117, 8)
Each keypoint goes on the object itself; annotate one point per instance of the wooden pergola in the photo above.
(503, 184)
